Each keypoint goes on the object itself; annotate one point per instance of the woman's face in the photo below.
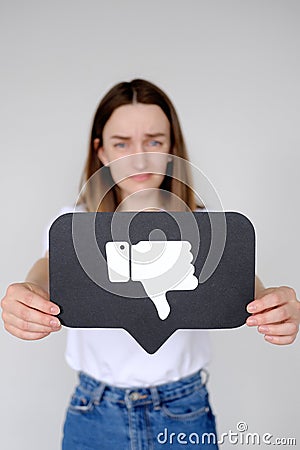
(142, 131)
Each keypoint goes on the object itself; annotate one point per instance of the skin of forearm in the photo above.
(39, 273)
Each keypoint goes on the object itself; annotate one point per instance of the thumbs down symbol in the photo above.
(160, 266)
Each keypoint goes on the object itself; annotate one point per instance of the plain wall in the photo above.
(232, 70)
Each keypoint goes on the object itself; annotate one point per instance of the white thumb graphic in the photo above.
(161, 304)
(160, 266)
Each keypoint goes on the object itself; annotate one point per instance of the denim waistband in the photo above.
(143, 395)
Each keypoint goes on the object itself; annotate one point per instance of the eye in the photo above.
(120, 145)
(154, 143)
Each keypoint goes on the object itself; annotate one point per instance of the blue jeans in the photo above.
(168, 416)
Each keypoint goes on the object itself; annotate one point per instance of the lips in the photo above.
(141, 176)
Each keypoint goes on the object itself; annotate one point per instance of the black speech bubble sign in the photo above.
(80, 284)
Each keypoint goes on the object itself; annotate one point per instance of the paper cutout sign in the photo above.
(152, 272)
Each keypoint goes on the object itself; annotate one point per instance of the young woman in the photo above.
(126, 398)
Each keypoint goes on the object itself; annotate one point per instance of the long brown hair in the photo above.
(178, 178)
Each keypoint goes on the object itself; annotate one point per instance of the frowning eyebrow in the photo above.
(151, 135)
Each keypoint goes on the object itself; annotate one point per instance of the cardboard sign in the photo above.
(152, 273)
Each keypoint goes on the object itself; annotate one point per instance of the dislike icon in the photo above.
(160, 266)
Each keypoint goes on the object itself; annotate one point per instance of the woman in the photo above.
(127, 398)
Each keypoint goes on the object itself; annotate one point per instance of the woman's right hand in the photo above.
(28, 313)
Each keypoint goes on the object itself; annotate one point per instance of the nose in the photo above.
(139, 158)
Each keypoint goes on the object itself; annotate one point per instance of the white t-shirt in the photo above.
(112, 355)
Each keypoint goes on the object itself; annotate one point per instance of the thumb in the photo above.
(161, 304)
(37, 289)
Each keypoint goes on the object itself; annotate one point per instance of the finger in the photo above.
(25, 325)
(26, 314)
(275, 315)
(280, 340)
(282, 329)
(269, 300)
(29, 336)
(31, 299)
(266, 302)
(37, 289)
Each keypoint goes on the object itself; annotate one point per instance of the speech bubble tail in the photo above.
(162, 306)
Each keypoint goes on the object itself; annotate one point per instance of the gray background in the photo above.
(232, 69)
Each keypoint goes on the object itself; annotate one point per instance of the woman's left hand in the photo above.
(276, 313)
